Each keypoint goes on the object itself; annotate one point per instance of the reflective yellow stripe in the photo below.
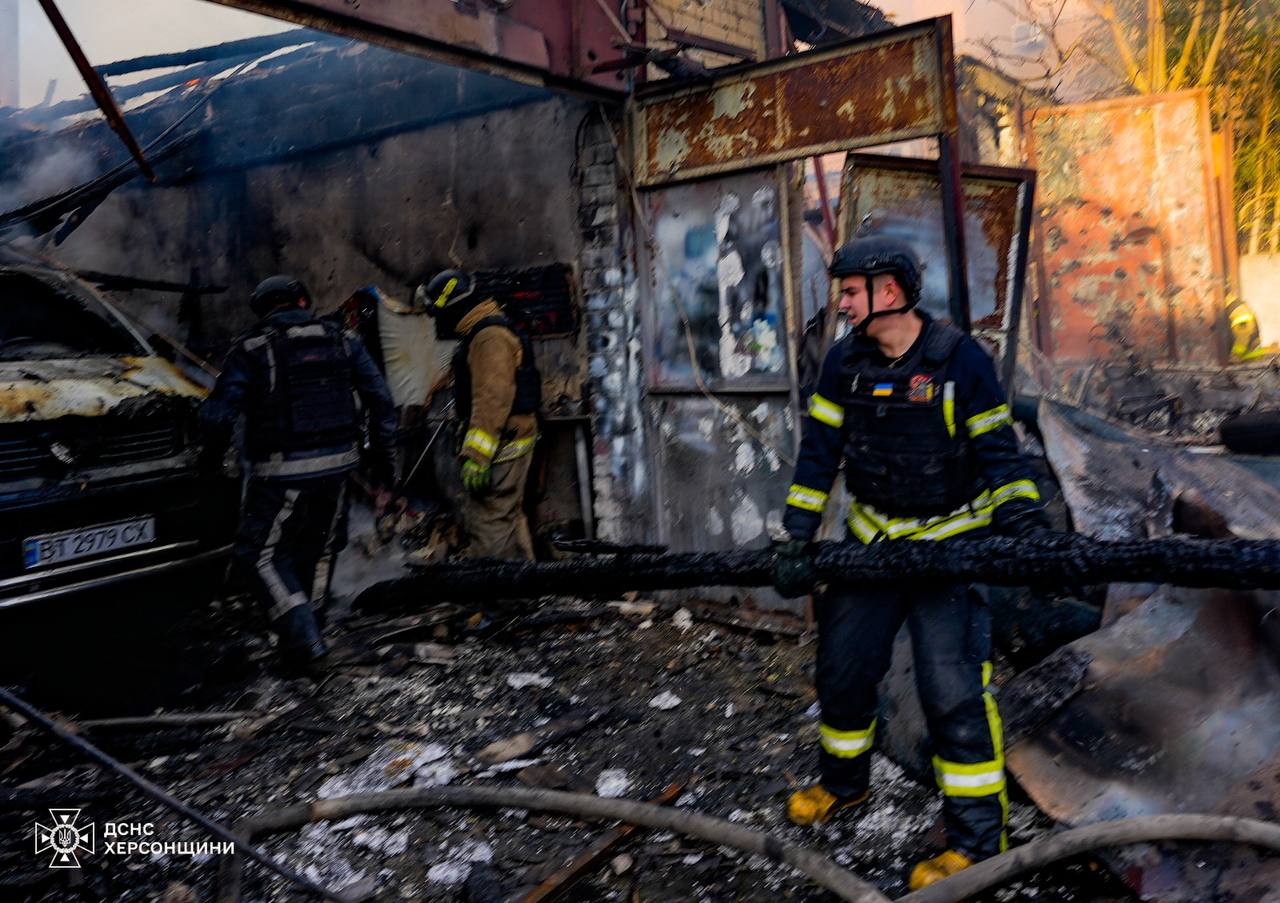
(846, 744)
(448, 290)
(1242, 319)
(1018, 489)
(996, 726)
(956, 526)
(825, 412)
(988, 421)
(806, 499)
(862, 530)
(976, 779)
(517, 448)
(481, 441)
(949, 407)
(867, 523)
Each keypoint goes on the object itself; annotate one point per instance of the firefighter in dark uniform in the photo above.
(295, 380)
(497, 392)
(914, 409)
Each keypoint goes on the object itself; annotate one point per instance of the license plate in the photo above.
(52, 548)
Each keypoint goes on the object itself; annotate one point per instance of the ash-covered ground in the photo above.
(621, 699)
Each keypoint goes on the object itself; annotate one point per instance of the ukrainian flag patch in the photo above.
(882, 390)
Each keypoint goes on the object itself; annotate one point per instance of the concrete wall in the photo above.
(490, 191)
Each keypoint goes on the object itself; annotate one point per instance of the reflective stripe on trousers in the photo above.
(950, 642)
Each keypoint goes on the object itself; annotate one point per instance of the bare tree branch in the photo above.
(1193, 35)
(1106, 11)
(1211, 60)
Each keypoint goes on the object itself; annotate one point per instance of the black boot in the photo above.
(301, 645)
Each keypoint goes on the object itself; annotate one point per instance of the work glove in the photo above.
(476, 478)
(794, 571)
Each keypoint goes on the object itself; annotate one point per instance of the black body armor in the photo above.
(308, 402)
(905, 454)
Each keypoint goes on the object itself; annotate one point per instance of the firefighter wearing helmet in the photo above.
(497, 392)
(296, 380)
(914, 410)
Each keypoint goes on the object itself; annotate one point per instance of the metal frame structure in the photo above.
(842, 97)
(1025, 182)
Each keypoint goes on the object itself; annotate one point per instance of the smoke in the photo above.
(61, 170)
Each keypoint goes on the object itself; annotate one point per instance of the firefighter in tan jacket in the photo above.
(497, 391)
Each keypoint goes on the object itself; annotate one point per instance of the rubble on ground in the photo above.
(581, 705)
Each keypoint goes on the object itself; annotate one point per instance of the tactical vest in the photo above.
(528, 382)
(308, 402)
(904, 454)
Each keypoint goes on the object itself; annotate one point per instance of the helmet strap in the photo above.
(872, 313)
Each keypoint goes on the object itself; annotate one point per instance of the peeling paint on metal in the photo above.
(747, 523)
(875, 91)
(731, 101)
(1130, 265)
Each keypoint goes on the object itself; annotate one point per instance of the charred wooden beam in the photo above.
(118, 282)
(224, 51)
(97, 87)
(1051, 561)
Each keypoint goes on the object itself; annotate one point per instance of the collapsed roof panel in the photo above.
(1178, 709)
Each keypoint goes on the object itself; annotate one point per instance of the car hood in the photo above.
(87, 387)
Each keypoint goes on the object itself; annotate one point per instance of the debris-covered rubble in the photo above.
(566, 707)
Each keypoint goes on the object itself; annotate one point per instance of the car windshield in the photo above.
(37, 321)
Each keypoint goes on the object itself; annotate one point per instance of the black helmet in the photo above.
(277, 291)
(876, 254)
(448, 292)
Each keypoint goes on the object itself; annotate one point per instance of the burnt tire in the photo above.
(1252, 434)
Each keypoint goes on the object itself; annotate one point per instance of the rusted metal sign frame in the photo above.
(799, 106)
(551, 44)
(1047, 312)
(868, 72)
(1022, 180)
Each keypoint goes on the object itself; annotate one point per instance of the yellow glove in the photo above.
(477, 478)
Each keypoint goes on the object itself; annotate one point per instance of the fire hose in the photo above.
(1053, 560)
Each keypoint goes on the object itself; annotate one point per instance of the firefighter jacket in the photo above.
(927, 441)
(492, 372)
(295, 380)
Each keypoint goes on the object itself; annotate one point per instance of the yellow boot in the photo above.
(816, 804)
(931, 871)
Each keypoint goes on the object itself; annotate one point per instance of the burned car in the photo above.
(98, 476)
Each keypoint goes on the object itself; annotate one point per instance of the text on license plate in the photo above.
(52, 548)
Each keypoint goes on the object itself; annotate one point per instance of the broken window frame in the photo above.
(1004, 335)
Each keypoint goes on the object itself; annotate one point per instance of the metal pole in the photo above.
(828, 218)
(160, 795)
(1019, 285)
(97, 87)
(952, 189)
